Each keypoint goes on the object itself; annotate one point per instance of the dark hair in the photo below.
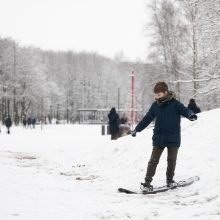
(160, 87)
(113, 110)
(192, 101)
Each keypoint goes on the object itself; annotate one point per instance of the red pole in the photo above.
(132, 99)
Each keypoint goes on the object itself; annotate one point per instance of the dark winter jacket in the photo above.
(8, 122)
(29, 121)
(114, 122)
(167, 122)
(33, 121)
(24, 122)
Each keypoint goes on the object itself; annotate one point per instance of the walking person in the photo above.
(33, 122)
(24, 121)
(8, 123)
(124, 119)
(29, 122)
(114, 123)
(124, 127)
(167, 112)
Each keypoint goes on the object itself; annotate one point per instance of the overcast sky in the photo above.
(103, 26)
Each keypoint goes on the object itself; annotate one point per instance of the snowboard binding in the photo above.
(146, 187)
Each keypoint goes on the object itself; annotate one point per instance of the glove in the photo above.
(193, 117)
(133, 133)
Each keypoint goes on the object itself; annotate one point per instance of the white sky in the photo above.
(103, 26)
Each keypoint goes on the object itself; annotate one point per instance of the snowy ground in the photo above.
(72, 173)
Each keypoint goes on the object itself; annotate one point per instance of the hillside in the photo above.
(72, 172)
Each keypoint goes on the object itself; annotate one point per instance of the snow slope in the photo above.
(72, 172)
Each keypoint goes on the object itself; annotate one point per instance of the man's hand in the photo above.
(133, 133)
(193, 118)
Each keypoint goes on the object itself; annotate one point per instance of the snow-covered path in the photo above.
(72, 172)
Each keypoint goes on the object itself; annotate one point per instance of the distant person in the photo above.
(29, 122)
(24, 121)
(124, 127)
(114, 123)
(192, 105)
(8, 123)
(33, 122)
(49, 119)
(124, 119)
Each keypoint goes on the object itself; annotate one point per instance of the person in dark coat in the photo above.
(114, 123)
(29, 122)
(124, 119)
(124, 127)
(24, 121)
(8, 123)
(192, 105)
(33, 122)
(167, 112)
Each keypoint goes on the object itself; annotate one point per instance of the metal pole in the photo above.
(132, 99)
(41, 113)
(118, 100)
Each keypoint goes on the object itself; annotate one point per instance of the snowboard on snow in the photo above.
(165, 188)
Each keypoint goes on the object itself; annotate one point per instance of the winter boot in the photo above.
(171, 183)
(146, 186)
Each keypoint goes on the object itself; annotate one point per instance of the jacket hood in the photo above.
(171, 95)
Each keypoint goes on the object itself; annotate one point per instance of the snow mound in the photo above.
(72, 172)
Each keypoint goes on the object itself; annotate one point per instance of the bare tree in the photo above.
(169, 38)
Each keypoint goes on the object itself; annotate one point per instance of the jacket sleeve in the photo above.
(148, 118)
(182, 110)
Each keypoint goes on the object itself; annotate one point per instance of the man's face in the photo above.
(160, 95)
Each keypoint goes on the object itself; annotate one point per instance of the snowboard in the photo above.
(161, 189)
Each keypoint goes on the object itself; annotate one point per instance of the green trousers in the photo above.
(154, 160)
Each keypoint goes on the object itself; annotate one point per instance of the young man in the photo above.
(167, 112)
